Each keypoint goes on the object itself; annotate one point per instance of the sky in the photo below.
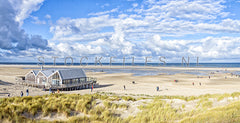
(207, 29)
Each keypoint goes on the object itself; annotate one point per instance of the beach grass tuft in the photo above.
(105, 107)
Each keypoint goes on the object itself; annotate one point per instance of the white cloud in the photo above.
(146, 52)
(104, 13)
(48, 16)
(68, 28)
(76, 50)
(25, 7)
(138, 31)
(105, 5)
(15, 43)
(37, 21)
(134, 5)
(206, 48)
(219, 47)
(11, 36)
(99, 42)
(168, 18)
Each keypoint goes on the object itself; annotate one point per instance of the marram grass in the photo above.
(25, 109)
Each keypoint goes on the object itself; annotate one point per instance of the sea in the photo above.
(146, 72)
(204, 65)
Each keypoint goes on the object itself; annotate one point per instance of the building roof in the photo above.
(71, 73)
(35, 72)
(65, 73)
(48, 72)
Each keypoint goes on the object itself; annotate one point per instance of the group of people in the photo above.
(27, 93)
(52, 91)
(199, 83)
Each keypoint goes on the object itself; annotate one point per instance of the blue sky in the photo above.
(208, 29)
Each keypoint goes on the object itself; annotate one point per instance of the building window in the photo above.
(82, 80)
(43, 80)
(55, 79)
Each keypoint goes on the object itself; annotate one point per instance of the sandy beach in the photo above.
(145, 85)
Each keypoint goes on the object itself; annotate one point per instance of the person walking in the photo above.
(124, 87)
(21, 93)
(92, 88)
(27, 92)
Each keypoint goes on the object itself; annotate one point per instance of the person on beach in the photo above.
(8, 94)
(209, 77)
(124, 87)
(27, 92)
(21, 93)
(92, 88)
(200, 83)
(44, 88)
(193, 83)
(157, 88)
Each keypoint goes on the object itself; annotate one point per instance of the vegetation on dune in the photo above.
(23, 109)
(103, 108)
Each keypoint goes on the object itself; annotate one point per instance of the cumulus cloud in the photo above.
(24, 8)
(105, 12)
(76, 49)
(190, 10)
(174, 18)
(134, 5)
(224, 47)
(139, 30)
(11, 36)
(206, 48)
(48, 16)
(37, 21)
(105, 5)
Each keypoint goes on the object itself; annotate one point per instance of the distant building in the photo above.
(66, 79)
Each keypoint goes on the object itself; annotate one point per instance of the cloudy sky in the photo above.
(208, 29)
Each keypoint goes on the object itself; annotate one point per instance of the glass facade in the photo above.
(55, 79)
(74, 81)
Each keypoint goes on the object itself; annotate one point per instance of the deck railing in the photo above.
(90, 80)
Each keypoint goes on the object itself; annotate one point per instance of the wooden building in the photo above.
(63, 79)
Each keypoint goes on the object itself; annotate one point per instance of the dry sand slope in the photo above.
(143, 84)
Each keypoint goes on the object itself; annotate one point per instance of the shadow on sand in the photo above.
(76, 88)
(102, 86)
(5, 83)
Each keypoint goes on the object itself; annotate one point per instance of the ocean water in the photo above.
(147, 72)
(204, 65)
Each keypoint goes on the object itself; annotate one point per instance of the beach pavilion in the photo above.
(62, 79)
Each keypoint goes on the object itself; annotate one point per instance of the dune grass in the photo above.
(25, 109)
